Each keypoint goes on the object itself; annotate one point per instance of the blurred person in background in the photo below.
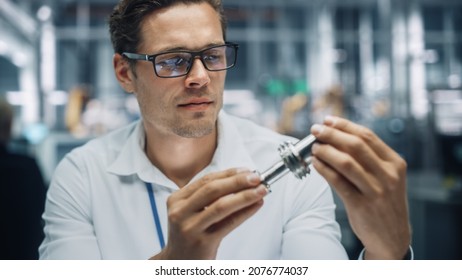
(78, 99)
(178, 183)
(294, 111)
(22, 197)
(330, 103)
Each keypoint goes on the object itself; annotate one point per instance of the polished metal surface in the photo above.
(294, 158)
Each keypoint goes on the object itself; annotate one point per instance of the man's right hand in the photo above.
(201, 214)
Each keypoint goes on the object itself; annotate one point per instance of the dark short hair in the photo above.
(127, 16)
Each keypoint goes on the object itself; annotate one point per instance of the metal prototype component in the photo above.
(294, 158)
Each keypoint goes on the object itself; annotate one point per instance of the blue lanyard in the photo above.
(155, 214)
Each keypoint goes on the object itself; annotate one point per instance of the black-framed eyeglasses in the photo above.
(174, 64)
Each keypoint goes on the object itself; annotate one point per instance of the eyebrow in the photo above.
(181, 48)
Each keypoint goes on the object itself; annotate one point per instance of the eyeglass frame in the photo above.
(194, 55)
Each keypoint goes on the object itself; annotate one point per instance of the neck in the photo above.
(180, 158)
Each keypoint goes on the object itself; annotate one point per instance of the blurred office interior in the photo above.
(392, 65)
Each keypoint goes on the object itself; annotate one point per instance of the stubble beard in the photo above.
(199, 127)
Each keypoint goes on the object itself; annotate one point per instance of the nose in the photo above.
(198, 76)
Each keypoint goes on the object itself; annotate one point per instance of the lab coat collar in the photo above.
(131, 158)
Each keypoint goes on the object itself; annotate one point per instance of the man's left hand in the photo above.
(370, 178)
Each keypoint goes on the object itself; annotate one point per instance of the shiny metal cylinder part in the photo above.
(294, 158)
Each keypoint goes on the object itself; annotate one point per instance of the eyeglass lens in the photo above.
(178, 63)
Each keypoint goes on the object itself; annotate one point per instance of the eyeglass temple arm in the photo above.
(136, 56)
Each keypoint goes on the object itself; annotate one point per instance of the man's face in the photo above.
(187, 106)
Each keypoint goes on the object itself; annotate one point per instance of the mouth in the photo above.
(199, 104)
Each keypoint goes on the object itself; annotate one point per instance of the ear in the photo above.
(123, 72)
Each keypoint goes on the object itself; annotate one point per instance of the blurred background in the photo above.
(392, 65)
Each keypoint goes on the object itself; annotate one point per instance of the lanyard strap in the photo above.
(155, 214)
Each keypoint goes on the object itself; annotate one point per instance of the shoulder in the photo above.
(99, 152)
(91, 160)
(15, 159)
(22, 171)
(112, 141)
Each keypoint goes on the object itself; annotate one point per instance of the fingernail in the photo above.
(261, 190)
(317, 129)
(329, 120)
(253, 178)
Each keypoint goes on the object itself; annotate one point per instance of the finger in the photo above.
(345, 190)
(214, 190)
(346, 167)
(191, 188)
(352, 145)
(224, 227)
(371, 139)
(229, 205)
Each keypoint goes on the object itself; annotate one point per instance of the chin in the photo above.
(194, 133)
(195, 129)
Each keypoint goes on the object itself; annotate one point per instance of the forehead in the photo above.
(187, 26)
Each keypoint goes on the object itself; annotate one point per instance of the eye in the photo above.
(213, 57)
(172, 61)
(169, 63)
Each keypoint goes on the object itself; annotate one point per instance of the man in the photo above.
(178, 185)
